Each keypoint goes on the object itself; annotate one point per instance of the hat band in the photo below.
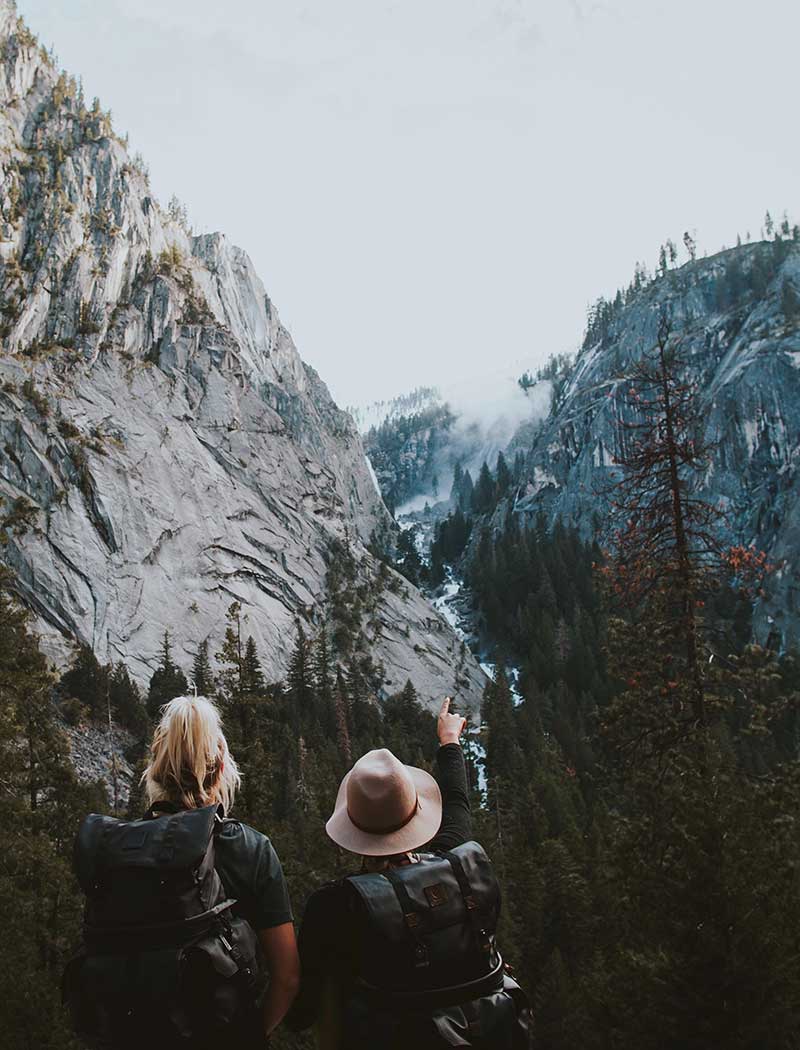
(390, 830)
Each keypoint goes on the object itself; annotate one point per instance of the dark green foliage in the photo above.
(408, 728)
(36, 397)
(96, 686)
(409, 562)
(127, 705)
(87, 681)
(202, 674)
(462, 489)
(42, 803)
(502, 476)
(21, 517)
(449, 542)
(299, 678)
(484, 496)
(167, 682)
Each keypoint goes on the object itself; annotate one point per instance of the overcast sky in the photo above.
(437, 187)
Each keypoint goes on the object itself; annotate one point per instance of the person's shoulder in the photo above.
(235, 834)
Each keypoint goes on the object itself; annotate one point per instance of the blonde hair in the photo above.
(189, 759)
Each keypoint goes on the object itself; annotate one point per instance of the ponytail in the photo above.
(189, 759)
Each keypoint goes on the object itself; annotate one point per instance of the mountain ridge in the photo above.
(737, 315)
(166, 452)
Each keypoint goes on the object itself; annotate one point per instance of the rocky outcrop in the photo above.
(164, 451)
(99, 757)
(737, 315)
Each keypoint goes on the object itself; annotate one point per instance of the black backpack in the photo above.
(430, 971)
(163, 959)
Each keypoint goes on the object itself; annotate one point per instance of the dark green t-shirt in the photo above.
(252, 874)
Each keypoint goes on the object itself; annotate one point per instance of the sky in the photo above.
(433, 188)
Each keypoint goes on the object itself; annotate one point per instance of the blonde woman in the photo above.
(175, 902)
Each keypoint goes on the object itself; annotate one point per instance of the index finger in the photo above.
(445, 706)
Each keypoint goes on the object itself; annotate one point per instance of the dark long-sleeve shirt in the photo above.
(329, 939)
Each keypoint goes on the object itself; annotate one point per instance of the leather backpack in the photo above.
(163, 957)
(430, 968)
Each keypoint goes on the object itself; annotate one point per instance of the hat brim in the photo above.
(420, 829)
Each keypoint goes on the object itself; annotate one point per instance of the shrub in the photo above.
(67, 429)
(170, 261)
(37, 399)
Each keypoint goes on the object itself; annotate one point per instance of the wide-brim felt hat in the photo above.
(384, 807)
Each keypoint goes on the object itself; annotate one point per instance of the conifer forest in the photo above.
(638, 787)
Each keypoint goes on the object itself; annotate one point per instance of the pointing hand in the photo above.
(449, 725)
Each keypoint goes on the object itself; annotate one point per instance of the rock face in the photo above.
(164, 451)
(100, 758)
(737, 315)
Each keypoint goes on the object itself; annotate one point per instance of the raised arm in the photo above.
(451, 773)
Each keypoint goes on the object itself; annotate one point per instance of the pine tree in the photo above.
(167, 681)
(241, 693)
(343, 721)
(458, 479)
(300, 677)
(483, 497)
(252, 673)
(322, 671)
(202, 674)
(127, 704)
(232, 679)
(466, 492)
(667, 543)
(42, 803)
(679, 736)
(502, 475)
(87, 681)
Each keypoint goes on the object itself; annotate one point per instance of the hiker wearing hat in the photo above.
(403, 953)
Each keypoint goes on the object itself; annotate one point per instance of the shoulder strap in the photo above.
(474, 912)
(411, 917)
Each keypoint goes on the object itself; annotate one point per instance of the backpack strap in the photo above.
(245, 971)
(411, 917)
(474, 913)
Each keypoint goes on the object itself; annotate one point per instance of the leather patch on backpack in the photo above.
(134, 839)
(436, 894)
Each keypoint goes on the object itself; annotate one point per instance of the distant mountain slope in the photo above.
(738, 314)
(378, 412)
(415, 441)
(163, 449)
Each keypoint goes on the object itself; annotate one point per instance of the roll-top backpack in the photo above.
(429, 962)
(163, 958)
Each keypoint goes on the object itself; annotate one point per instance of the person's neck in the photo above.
(373, 865)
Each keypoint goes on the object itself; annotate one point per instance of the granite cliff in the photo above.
(164, 451)
(737, 317)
